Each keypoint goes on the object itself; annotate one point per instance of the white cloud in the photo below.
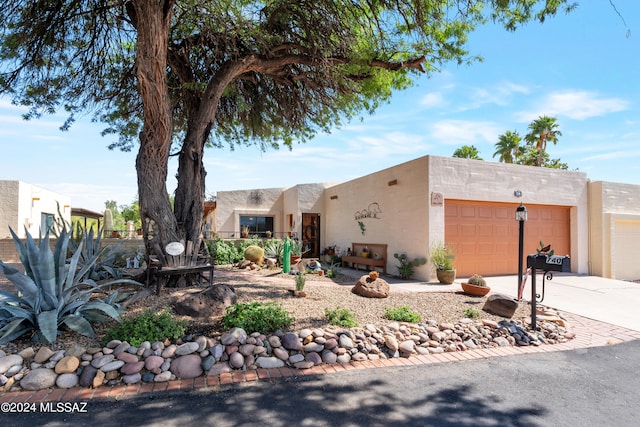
(499, 94)
(431, 100)
(455, 132)
(577, 105)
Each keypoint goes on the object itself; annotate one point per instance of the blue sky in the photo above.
(582, 68)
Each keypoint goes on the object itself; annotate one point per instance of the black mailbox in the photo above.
(549, 263)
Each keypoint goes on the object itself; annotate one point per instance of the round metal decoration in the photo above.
(174, 248)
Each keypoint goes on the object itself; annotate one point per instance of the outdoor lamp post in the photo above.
(521, 217)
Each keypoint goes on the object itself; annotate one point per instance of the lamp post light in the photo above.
(521, 217)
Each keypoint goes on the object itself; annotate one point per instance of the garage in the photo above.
(484, 235)
(626, 247)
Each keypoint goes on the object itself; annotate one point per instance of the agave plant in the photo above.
(101, 259)
(52, 293)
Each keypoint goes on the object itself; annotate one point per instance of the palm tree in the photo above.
(508, 147)
(541, 131)
(467, 152)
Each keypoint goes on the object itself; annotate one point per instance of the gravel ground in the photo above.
(309, 312)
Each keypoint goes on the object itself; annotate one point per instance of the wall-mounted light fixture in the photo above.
(34, 200)
(392, 182)
(333, 197)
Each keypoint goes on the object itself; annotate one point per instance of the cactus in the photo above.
(477, 280)
(254, 253)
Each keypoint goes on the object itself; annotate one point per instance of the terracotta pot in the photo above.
(446, 276)
(294, 259)
(298, 294)
(320, 273)
(475, 290)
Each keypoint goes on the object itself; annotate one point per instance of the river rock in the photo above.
(269, 362)
(501, 305)
(188, 366)
(290, 341)
(132, 368)
(38, 379)
(7, 362)
(67, 380)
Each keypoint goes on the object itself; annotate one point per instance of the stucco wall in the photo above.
(609, 202)
(392, 206)
(465, 179)
(231, 204)
(22, 205)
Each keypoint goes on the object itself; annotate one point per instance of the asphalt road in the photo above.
(587, 387)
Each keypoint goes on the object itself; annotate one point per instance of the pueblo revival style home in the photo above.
(468, 204)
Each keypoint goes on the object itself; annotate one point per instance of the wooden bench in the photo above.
(377, 256)
(163, 266)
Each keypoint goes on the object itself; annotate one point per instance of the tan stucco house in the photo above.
(468, 204)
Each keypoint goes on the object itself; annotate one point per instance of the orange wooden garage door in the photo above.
(484, 236)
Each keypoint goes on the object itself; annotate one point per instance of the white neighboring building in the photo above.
(27, 206)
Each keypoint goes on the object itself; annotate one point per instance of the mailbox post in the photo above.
(546, 263)
(521, 217)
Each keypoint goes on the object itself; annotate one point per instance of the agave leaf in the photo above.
(21, 281)
(48, 325)
(18, 312)
(47, 275)
(60, 256)
(33, 256)
(100, 306)
(22, 251)
(15, 329)
(73, 265)
(79, 324)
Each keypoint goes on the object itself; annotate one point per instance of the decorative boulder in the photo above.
(501, 305)
(211, 302)
(366, 287)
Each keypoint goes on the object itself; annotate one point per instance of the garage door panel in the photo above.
(626, 249)
(487, 241)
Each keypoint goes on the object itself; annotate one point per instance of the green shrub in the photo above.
(53, 292)
(471, 313)
(402, 314)
(147, 326)
(257, 317)
(225, 252)
(341, 317)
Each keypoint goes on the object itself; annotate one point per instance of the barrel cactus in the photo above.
(477, 280)
(254, 253)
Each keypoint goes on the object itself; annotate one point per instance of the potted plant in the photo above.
(297, 250)
(442, 259)
(476, 286)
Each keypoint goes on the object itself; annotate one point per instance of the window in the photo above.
(256, 224)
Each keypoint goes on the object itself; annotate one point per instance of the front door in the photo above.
(311, 234)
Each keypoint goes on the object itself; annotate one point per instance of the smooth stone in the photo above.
(219, 368)
(27, 353)
(87, 376)
(56, 356)
(269, 362)
(187, 366)
(280, 353)
(407, 346)
(100, 361)
(127, 357)
(163, 377)
(391, 342)
(187, 348)
(305, 364)
(15, 369)
(169, 351)
(112, 366)
(113, 343)
(67, 380)
(148, 377)
(39, 379)
(295, 358)
(153, 362)
(43, 354)
(346, 342)
(236, 360)
(246, 349)
(132, 378)
(274, 341)
(208, 362)
(344, 358)
(67, 365)
(7, 362)
(76, 350)
(329, 357)
(202, 343)
(217, 351)
(290, 341)
(132, 368)
(314, 358)
(331, 343)
(313, 347)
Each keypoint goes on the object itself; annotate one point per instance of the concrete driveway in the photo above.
(612, 301)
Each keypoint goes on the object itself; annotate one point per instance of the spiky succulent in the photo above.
(53, 292)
